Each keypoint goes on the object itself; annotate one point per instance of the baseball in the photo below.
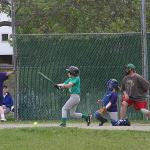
(35, 123)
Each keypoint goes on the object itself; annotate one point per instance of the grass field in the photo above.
(55, 138)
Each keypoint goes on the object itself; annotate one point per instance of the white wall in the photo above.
(5, 47)
(4, 17)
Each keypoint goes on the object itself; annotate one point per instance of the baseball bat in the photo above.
(45, 77)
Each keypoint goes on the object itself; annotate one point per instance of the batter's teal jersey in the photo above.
(75, 89)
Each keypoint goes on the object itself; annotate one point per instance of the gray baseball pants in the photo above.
(71, 106)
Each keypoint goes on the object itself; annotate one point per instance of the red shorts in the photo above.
(136, 104)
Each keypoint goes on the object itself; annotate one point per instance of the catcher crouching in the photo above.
(109, 108)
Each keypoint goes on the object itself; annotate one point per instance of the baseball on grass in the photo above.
(35, 123)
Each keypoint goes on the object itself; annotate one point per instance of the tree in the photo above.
(5, 6)
(77, 16)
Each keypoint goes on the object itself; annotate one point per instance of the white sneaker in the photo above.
(3, 120)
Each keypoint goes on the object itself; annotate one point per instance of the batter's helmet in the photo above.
(73, 70)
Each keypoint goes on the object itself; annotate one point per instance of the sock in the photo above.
(2, 116)
(84, 116)
(64, 120)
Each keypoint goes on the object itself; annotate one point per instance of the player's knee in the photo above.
(72, 114)
(145, 111)
(97, 115)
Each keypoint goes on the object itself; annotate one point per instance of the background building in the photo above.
(6, 50)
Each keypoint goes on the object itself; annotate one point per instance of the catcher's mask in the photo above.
(73, 70)
(129, 68)
(112, 84)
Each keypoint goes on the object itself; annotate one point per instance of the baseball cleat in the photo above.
(88, 119)
(3, 120)
(62, 125)
(103, 120)
(101, 124)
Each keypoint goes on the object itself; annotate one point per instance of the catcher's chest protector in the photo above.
(106, 98)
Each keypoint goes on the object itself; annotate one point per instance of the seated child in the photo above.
(7, 103)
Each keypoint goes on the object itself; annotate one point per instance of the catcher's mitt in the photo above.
(103, 110)
(57, 86)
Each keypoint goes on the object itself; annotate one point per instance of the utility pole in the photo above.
(13, 24)
(144, 40)
(144, 43)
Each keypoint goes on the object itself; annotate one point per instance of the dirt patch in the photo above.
(134, 127)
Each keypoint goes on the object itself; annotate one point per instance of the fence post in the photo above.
(13, 9)
(144, 42)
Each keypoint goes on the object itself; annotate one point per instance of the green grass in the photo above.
(72, 139)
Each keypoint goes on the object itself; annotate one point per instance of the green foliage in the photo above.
(5, 7)
(77, 16)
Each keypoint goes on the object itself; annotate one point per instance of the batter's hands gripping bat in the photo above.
(47, 78)
(57, 86)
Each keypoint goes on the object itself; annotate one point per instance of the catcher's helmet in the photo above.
(111, 84)
(73, 70)
(128, 68)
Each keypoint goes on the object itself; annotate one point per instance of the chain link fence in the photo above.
(98, 56)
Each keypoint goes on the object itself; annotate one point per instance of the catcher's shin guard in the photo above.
(99, 117)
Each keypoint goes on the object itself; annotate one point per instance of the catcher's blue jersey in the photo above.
(112, 97)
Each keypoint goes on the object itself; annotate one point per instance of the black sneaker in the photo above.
(88, 120)
(62, 125)
(103, 120)
(3, 120)
(101, 124)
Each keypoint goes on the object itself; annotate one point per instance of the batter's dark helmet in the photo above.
(73, 70)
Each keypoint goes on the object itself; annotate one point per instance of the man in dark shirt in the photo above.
(135, 89)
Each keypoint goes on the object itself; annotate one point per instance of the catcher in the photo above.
(109, 103)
